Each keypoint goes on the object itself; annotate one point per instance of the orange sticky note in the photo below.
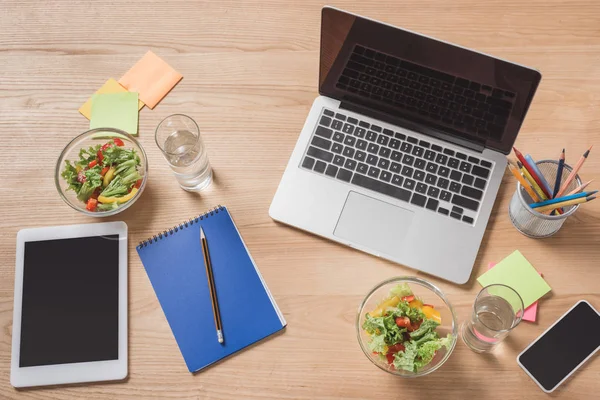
(152, 78)
(110, 86)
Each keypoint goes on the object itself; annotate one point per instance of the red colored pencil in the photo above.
(535, 176)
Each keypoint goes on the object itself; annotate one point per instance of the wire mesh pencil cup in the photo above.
(532, 223)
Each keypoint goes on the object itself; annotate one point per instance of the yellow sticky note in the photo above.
(516, 272)
(152, 78)
(110, 86)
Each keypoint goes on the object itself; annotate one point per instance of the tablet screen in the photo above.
(70, 309)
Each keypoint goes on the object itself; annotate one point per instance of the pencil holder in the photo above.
(532, 223)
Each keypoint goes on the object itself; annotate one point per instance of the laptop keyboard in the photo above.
(401, 166)
(448, 100)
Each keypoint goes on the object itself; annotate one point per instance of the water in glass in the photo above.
(188, 160)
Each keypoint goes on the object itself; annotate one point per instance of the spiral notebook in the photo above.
(174, 263)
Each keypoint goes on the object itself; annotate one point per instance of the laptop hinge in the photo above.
(411, 125)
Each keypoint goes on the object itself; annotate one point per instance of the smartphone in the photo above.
(565, 346)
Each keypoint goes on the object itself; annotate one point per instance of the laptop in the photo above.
(402, 154)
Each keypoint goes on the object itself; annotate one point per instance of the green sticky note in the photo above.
(115, 110)
(515, 271)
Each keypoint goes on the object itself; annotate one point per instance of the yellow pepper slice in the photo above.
(392, 302)
(416, 303)
(118, 200)
(432, 313)
(110, 174)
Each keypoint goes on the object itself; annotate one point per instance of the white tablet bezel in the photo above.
(542, 335)
(75, 372)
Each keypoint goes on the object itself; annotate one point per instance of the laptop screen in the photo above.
(430, 85)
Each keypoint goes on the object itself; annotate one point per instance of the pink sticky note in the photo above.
(530, 313)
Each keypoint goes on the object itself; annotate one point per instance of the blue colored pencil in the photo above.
(561, 199)
(543, 180)
(559, 172)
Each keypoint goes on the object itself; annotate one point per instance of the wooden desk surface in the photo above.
(250, 76)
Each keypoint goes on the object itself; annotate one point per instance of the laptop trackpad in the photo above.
(373, 223)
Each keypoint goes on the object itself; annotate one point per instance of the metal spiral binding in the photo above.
(184, 224)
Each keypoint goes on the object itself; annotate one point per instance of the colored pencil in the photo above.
(532, 181)
(559, 171)
(565, 204)
(579, 188)
(562, 199)
(573, 173)
(211, 286)
(523, 182)
(544, 183)
(531, 171)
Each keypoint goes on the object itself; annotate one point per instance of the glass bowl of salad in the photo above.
(406, 327)
(101, 172)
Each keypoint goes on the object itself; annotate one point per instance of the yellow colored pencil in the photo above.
(532, 181)
(567, 203)
(523, 182)
(579, 188)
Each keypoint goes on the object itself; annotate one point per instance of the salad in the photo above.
(402, 330)
(105, 176)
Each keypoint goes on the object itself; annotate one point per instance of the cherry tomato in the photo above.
(81, 177)
(138, 184)
(100, 156)
(393, 350)
(408, 298)
(104, 171)
(96, 193)
(91, 204)
(403, 322)
(118, 142)
(92, 163)
(106, 146)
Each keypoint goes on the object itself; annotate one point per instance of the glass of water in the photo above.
(498, 309)
(178, 137)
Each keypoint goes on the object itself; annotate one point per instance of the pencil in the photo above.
(574, 172)
(562, 199)
(579, 188)
(532, 181)
(559, 171)
(543, 182)
(211, 286)
(523, 183)
(565, 204)
(531, 171)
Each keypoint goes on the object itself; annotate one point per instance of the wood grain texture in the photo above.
(250, 74)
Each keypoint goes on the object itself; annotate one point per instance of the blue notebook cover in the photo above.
(174, 263)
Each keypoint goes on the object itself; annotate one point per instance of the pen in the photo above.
(211, 286)
(559, 171)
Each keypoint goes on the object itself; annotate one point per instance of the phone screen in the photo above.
(555, 354)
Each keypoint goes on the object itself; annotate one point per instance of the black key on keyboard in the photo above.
(388, 132)
(371, 136)
(432, 204)
(340, 116)
(453, 163)
(420, 163)
(376, 128)
(381, 187)
(308, 162)
(461, 156)
(383, 140)
(400, 136)
(436, 147)
(431, 167)
(479, 183)
(337, 148)
(395, 168)
(320, 142)
(481, 172)
(421, 188)
(443, 183)
(324, 132)
(362, 168)
(408, 159)
(471, 192)
(348, 128)
(374, 172)
(320, 154)
(444, 171)
(455, 215)
(328, 112)
(473, 160)
(406, 147)
(383, 163)
(465, 167)
(360, 132)
(455, 187)
(466, 219)
(457, 210)
(431, 179)
(396, 156)
(433, 192)
(338, 137)
(407, 171)
(465, 203)
(385, 176)
(344, 175)
(337, 124)
(320, 166)
(372, 159)
(429, 155)
(455, 175)
(418, 200)
(409, 184)
(350, 164)
(348, 151)
(373, 148)
(384, 152)
(445, 195)
(413, 140)
(394, 144)
(338, 160)
(444, 211)
(486, 164)
(361, 144)
(449, 152)
(468, 179)
(364, 124)
(352, 120)
(325, 121)
(418, 151)
(397, 180)
(441, 159)
(331, 170)
(419, 175)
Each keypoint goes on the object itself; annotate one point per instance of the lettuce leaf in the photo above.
(427, 337)
(384, 326)
(69, 174)
(377, 343)
(401, 290)
(404, 310)
(118, 155)
(426, 351)
(406, 359)
(427, 326)
(115, 188)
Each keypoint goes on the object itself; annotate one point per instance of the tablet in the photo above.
(70, 305)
